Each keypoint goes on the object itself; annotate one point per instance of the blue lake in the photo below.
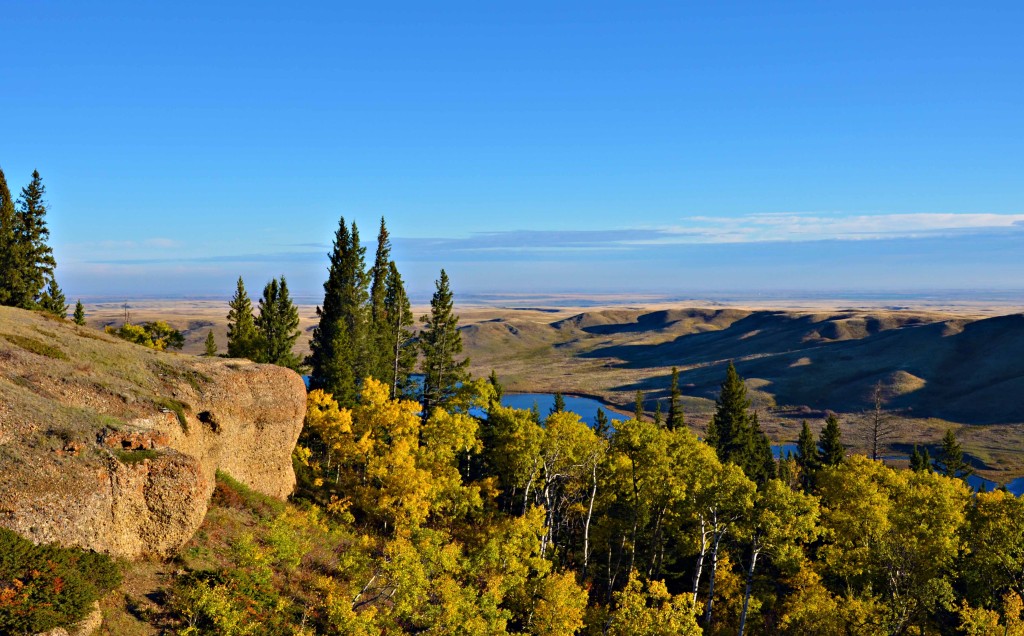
(1015, 487)
(586, 408)
(779, 450)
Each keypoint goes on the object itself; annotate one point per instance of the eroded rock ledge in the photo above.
(114, 447)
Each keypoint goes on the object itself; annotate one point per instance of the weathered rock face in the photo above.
(113, 447)
(246, 423)
(148, 508)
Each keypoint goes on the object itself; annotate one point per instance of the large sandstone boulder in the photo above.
(114, 447)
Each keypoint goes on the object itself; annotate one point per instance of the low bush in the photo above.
(135, 456)
(35, 346)
(47, 586)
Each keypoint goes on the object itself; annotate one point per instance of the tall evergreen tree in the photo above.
(52, 301)
(37, 260)
(11, 250)
(601, 425)
(806, 453)
(496, 390)
(210, 346)
(241, 325)
(926, 460)
(676, 420)
(736, 433)
(559, 405)
(398, 338)
(951, 458)
(79, 314)
(535, 413)
(759, 463)
(831, 443)
(441, 342)
(731, 420)
(920, 461)
(338, 349)
(499, 390)
(379, 327)
(277, 326)
(657, 413)
(638, 406)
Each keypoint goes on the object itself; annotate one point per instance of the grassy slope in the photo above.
(60, 383)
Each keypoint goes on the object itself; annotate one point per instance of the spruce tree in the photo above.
(440, 343)
(211, 345)
(241, 325)
(379, 327)
(951, 458)
(338, 349)
(499, 391)
(52, 301)
(786, 469)
(11, 262)
(711, 437)
(277, 326)
(559, 405)
(926, 460)
(638, 407)
(806, 451)
(535, 413)
(657, 413)
(759, 463)
(601, 425)
(676, 421)
(806, 447)
(731, 420)
(916, 460)
(79, 314)
(37, 260)
(398, 338)
(831, 444)
(735, 432)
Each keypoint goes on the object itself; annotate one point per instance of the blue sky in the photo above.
(679, 148)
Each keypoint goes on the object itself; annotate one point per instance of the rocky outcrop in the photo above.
(141, 508)
(114, 447)
(245, 422)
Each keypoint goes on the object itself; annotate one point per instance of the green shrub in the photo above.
(154, 335)
(35, 346)
(135, 456)
(177, 407)
(46, 586)
(204, 604)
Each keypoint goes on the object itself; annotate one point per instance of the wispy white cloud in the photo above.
(749, 228)
(817, 227)
(694, 230)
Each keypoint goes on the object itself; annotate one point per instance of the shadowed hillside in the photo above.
(936, 369)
